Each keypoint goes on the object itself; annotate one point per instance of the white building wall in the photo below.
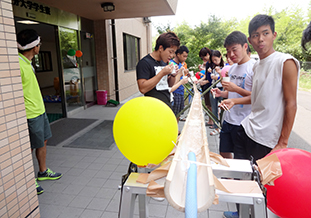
(135, 27)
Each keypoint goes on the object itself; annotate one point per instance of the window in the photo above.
(68, 40)
(131, 51)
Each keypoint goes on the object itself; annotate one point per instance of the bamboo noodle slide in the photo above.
(192, 139)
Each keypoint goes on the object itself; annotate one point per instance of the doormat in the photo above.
(67, 127)
(100, 137)
(54, 117)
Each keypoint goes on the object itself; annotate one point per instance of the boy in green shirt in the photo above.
(38, 124)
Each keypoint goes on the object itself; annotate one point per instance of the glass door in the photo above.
(68, 40)
(88, 67)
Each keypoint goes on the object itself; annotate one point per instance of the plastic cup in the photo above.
(226, 79)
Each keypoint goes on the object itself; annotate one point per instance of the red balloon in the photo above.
(79, 53)
(290, 197)
(197, 75)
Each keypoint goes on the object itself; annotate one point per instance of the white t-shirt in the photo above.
(162, 84)
(264, 124)
(242, 76)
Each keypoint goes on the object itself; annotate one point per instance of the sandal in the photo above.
(215, 132)
(208, 124)
(212, 127)
(182, 119)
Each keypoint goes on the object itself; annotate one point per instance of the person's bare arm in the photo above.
(145, 85)
(230, 86)
(219, 93)
(218, 70)
(202, 81)
(171, 79)
(179, 83)
(180, 73)
(289, 83)
(233, 101)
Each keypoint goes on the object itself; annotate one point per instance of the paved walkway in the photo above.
(89, 186)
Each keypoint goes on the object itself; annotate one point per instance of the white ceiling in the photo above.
(92, 10)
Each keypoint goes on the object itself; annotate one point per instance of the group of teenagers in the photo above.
(261, 95)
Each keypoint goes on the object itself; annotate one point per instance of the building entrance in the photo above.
(46, 67)
(65, 68)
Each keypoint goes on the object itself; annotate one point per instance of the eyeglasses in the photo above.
(39, 44)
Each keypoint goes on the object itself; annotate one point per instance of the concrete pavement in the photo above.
(89, 186)
(300, 136)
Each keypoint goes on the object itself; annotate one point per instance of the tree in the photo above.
(289, 24)
(164, 29)
(210, 34)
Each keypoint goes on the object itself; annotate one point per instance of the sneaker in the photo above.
(215, 132)
(229, 214)
(48, 175)
(39, 188)
(158, 199)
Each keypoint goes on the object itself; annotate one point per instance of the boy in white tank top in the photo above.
(273, 98)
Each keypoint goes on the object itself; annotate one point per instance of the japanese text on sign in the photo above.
(32, 6)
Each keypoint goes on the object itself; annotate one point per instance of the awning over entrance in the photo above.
(92, 9)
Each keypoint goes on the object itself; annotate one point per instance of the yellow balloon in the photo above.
(144, 130)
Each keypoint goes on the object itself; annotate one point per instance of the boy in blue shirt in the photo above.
(178, 102)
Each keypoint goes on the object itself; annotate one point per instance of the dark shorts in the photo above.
(246, 147)
(39, 130)
(228, 137)
(178, 103)
(207, 100)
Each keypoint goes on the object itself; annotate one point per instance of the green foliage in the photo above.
(243, 25)
(309, 11)
(160, 30)
(68, 40)
(164, 29)
(210, 34)
(289, 25)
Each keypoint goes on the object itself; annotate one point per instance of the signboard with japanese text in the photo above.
(33, 6)
(35, 11)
